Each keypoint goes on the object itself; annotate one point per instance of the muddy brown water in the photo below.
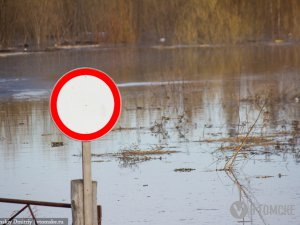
(173, 99)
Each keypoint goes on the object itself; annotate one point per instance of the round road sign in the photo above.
(85, 104)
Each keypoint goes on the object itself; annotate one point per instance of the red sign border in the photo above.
(81, 72)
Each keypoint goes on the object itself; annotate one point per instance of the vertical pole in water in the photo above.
(87, 183)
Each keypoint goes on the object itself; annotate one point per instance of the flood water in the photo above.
(179, 99)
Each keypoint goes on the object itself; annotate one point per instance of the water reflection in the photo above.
(160, 114)
(172, 98)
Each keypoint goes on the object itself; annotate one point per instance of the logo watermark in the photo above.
(30, 221)
(240, 209)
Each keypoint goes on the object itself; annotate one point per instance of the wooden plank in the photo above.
(77, 202)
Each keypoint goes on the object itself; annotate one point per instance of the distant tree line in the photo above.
(49, 22)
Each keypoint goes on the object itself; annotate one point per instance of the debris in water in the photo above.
(101, 161)
(184, 170)
(263, 177)
(281, 175)
(57, 144)
(127, 153)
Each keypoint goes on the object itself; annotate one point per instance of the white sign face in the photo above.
(85, 104)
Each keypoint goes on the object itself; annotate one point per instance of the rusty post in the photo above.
(14, 216)
(99, 214)
(32, 214)
(29, 202)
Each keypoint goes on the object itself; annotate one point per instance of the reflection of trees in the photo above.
(26, 124)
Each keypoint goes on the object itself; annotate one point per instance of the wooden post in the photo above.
(77, 203)
(87, 183)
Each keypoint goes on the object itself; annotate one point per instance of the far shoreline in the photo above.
(17, 51)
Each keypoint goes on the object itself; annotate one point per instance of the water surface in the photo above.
(173, 99)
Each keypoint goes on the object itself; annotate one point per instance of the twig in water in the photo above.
(229, 163)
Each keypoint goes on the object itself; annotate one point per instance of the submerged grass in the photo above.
(251, 139)
(130, 157)
(277, 140)
(129, 153)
